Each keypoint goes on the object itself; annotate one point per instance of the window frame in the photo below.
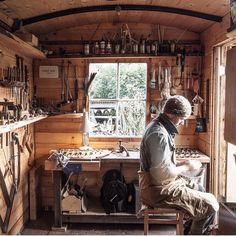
(147, 99)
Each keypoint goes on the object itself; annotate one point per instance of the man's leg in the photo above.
(200, 227)
(187, 226)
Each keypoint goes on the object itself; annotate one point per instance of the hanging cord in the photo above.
(95, 32)
(16, 180)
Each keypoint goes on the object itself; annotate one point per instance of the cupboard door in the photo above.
(230, 97)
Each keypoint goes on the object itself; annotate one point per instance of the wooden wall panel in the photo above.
(54, 133)
(210, 38)
(20, 210)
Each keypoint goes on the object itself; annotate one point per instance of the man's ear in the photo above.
(170, 116)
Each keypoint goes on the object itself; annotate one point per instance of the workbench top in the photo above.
(134, 156)
(93, 164)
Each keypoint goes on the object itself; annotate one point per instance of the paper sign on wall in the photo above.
(50, 72)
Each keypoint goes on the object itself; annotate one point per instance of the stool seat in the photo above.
(169, 216)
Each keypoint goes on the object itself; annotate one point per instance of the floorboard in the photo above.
(43, 226)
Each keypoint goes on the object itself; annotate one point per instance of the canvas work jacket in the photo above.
(159, 185)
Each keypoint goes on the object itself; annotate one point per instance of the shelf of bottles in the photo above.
(143, 48)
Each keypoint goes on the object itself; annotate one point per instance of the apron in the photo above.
(175, 193)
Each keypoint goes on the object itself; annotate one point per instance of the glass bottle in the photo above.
(96, 48)
(102, 46)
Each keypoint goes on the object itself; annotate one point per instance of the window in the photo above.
(117, 99)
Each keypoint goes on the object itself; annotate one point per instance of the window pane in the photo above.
(105, 82)
(117, 99)
(103, 117)
(133, 77)
(131, 118)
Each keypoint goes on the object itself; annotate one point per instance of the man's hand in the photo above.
(186, 165)
(193, 165)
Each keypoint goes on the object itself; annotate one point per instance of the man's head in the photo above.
(177, 108)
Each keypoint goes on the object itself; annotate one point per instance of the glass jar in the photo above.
(86, 49)
(117, 48)
(102, 47)
(135, 48)
(96, 48)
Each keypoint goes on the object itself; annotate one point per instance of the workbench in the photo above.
(98, 215)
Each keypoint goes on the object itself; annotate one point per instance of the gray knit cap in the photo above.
(178, 105)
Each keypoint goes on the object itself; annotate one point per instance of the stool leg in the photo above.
(180, 224)
(146, 216)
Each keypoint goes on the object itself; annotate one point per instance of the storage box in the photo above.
(50, 164)
(28, 38)
(73, 204)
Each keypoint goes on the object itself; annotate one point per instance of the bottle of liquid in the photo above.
(86, 49)
(108, 48)
(102, 46)
(142, 47)
(96, 48)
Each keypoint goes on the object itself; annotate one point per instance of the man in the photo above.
(161, 184)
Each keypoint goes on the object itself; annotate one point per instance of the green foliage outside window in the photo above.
(118, 99)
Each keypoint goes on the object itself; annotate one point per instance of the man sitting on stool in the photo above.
(160, 180)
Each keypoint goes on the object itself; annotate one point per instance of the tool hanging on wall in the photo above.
(66, 95)
(26, 141)
(69, 97)
(87, 86)
(62, 82)
(182, 63)
(76, 90)
(172, 88)
(25, 94)
(9, 198)
(153, 79)
(159, 77)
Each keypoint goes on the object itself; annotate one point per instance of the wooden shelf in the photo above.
(19, 124)
(96, 214)
(12, 42)
(192, 117)
(115, 56)
(69, 115)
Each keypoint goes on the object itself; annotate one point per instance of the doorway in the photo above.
(223, 167)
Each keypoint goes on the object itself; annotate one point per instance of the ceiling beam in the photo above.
(120, 7)
(5, 26)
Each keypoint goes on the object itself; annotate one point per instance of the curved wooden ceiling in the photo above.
(27, 10)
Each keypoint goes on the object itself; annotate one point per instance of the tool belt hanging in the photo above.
(14, 168)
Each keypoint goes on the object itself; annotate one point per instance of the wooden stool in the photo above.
(164, 216)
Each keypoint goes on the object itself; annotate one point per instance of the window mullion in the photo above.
(118, 97)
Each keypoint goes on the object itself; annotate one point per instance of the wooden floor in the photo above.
(43, 226)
